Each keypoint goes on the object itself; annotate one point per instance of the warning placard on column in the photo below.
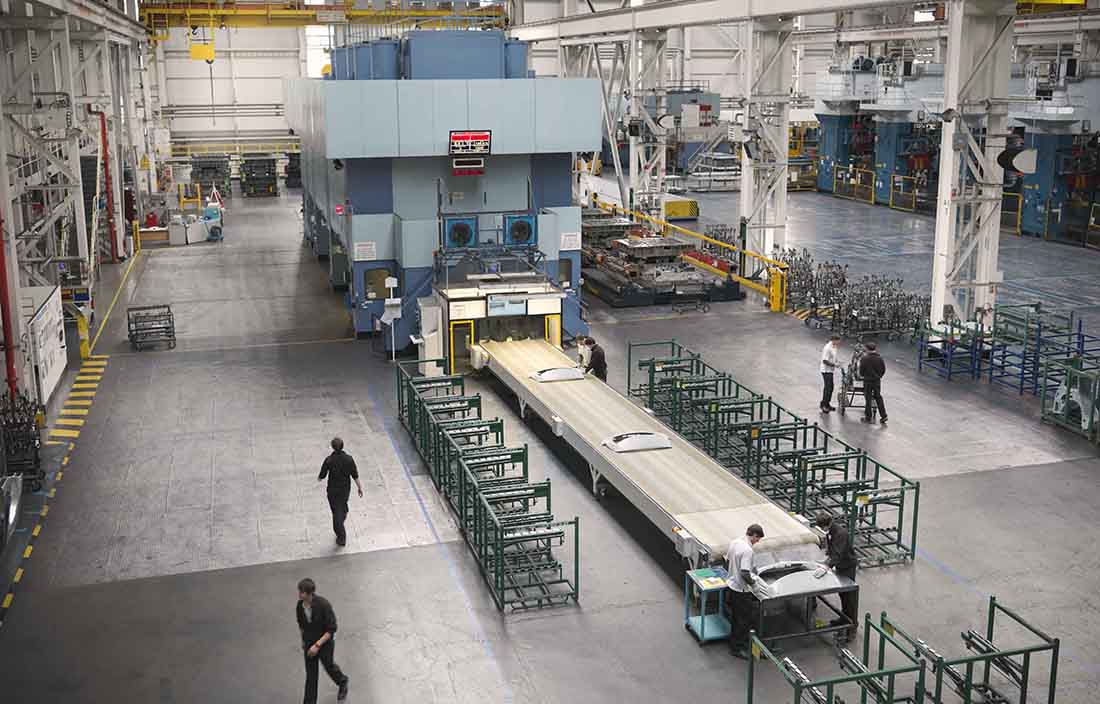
(570, 241)
(366, 251)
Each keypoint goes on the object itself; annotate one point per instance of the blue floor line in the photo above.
(388, 424)
(960, 579)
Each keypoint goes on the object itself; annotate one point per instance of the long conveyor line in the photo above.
(679, 489)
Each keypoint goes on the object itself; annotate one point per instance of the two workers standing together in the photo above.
(872, 368)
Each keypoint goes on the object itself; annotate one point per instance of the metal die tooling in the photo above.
(803, 468)
(696, 503)
(505, 518)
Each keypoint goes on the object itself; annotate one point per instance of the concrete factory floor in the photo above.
(166, 568)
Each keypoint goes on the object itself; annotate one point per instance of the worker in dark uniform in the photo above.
(340, 469)
(871, 370)
(840, 556)
(597, 362)
(317, 622)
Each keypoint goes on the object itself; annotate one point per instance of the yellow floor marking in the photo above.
(62, 433)
(28, 551)
(85, 386)
(18, 575)
(74, 411)
(53, 493)
(90, 377)
(54, 442)
(82, 394)
(37, 530)
(71, 447)
(77, 402)
(73, 422)
(103, 323)
(60, 474)
(64, 461)
(99, 356)
(45, 510)
(7, 601)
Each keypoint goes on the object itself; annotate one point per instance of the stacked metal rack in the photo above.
(504, 517)
(1025, 337)
(797, 464)
(21, 440)
(259, 176)
(293, 170)
(212, 171)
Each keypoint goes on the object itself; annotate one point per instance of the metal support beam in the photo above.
(968, 216)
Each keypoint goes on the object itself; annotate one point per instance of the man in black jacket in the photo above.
(317, 621)
(340, 469)
(871, 369)
(597, 362)
(841, 557)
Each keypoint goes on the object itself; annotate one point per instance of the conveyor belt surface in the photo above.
(693, 490)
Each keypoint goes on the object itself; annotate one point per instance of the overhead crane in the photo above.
(158, 17)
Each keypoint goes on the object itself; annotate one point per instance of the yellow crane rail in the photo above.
(158, 16)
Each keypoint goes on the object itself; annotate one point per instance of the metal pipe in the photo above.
(107, 180)
(5, 315)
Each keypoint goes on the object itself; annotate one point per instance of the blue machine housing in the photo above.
(1044, 193)
(890, 138)
(521, 231)
(833, 147)
(379, 182)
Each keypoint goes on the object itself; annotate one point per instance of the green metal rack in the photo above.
(797, 464)
(1071, 395)
(863, 681)
(505, 519)
(969, 678)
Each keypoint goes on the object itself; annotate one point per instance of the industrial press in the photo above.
(439, 151)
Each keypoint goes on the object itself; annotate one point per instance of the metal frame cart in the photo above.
(706, 626)
(861, 681)
(788, 594)
(969, 677)
(851, 386)
(149, 325)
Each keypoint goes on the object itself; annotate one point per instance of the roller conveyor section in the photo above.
(679, 488)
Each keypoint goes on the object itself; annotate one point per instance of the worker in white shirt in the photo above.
(828, 365)
(740, 581)
(584, 352)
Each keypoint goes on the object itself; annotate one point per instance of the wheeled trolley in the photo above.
(150, 325)
(851, 393)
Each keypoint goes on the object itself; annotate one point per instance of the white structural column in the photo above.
(975, 112)
(766, 78)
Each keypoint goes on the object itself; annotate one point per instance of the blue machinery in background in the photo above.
(435, 142)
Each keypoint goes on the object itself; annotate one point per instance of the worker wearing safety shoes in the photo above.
(872, 367)
(828, 366)
(840, 556)
(739, 559)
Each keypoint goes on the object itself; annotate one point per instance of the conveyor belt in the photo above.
(675, 487)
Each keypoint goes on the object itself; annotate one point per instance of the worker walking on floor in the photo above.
(828, 366)
(340, 469)
(597, 363)
(739, 559)
(840, 556)
(872, 367)
(317, 622)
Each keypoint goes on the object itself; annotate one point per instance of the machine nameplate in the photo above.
(468, 310)
(366, 251)
(570, 241)
(465, 142)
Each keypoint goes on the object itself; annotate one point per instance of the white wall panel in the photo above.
(248, 69)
